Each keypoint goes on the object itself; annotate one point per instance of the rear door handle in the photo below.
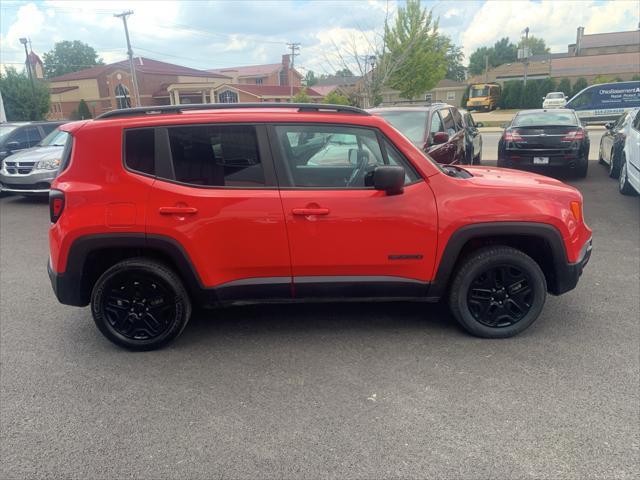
(177, 210)
(310, 211)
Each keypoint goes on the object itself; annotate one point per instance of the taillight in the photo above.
(573, 136)
(56, 205)
(513, 136)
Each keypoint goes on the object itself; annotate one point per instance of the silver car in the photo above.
(31, 171)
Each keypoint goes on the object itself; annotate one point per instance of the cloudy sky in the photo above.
(214, 34)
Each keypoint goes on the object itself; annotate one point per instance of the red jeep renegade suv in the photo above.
(159, 208)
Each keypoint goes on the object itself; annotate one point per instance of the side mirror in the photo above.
(608, 125)
(11, 146)
(389, 178)
(440, 137)
(544, 98)
(479, 125)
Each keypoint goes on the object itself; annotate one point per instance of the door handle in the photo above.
(310, 211)
(177, 210)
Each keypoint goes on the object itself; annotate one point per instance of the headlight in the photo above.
(48, 164)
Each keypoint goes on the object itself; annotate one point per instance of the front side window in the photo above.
(459, 124)
(57, 138)
(447, 120)
(436, 126)
(26, 137)
(332, 156)
(216, 156)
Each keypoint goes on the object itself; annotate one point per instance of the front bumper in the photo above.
(568, 274)
(36, 182)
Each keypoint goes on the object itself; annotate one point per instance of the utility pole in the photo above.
(486, 68)
(525, 53)
(132, 66)
(24, 41)
(295, 49)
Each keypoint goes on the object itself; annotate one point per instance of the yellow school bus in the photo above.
(484, 96)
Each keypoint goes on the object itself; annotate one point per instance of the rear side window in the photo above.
(447, 119)
(216, 155)
(139, 150)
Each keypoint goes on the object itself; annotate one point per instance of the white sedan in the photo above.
(554, 100)
(630, 161)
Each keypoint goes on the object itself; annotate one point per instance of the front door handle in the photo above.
(177, 210)
(310, 211)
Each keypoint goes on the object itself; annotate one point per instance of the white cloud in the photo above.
(556, 22)
(453, 12)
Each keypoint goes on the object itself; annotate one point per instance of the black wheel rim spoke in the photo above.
(139, 306)
(500, 296)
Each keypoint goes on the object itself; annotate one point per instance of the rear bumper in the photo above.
(66, 288)
(568, 274)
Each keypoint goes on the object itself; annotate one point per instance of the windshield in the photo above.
(479, 92)
(555, 95)
(412, 124)
(5, 130)
(57, 138)
(540, 119)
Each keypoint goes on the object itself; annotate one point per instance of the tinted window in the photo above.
(26, 137)
(539, 119)
(48, 127)
(447, 120)
(636, 122)
(216, 155)
(469, 119)
(139, 150)
(411, 124)
(331, 156)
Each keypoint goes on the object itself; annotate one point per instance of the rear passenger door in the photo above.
(215, 195)
(346, 238)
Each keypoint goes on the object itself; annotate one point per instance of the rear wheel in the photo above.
(583, 167)
(497, 292)
(140, 304)
(624, 186)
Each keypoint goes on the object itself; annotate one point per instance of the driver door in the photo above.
(345, 237)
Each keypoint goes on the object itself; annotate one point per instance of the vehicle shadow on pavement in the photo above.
(312, 318)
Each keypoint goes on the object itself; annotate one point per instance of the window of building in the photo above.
(123, 100)
(283, 77)
(216, 155)
(428, 97)
(333, 156)
(139, 150)
(228, 96)
(451, 96)
(259, 81)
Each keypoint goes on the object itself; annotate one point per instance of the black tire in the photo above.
(140, 304)
(614, 164)
(600, 158)
(624, 187)
(483, 316)
(477, 160)
(583, 167)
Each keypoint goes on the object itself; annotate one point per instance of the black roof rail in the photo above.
(160, 109)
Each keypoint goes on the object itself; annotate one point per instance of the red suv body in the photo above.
(157, 209)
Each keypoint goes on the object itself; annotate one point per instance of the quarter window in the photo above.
(139, 150)
(216, 156)
(333, 157)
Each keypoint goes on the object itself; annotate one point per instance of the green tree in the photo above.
(565, 86)
(67, 57)
(477, 60)
(580, 84)
(635, 78)
(537, 46)
(603, 79)
(344, 72)
(414, 38)
(336, 98)
(20, 102)
(310, 79)
(454, 58)
(83, 110)
(302, 97)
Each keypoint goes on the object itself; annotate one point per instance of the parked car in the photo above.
(15, 136)
(437, 129)
(629, 182)
(554, 100)
(218, 204)
(473, 139)
(605, 101)
(544, 140)
(31, 171)
(612, 142)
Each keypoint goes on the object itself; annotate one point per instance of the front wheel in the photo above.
(140, 304)
(497, 292)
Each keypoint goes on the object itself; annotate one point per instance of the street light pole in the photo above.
(24, 41)
(132, 66)
(525, 54)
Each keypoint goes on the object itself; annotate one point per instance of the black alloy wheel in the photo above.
(500, 296)
(140, 304)
(497, 292)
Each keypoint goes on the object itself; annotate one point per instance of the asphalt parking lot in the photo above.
(327, 391)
